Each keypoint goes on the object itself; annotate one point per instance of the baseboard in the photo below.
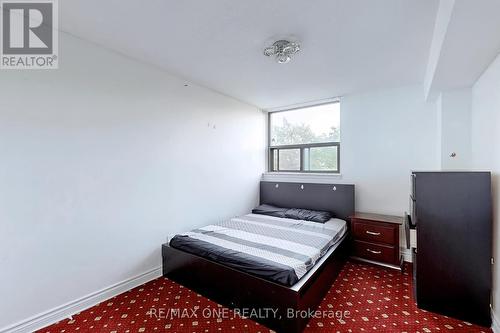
(64, 311)
(406, 253)
(396, 267)
(495, 322)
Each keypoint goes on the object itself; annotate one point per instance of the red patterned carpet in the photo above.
(365, 298)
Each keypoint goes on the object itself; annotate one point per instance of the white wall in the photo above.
(455, 112)
(384, 135)
(100, 161)
(486, 152)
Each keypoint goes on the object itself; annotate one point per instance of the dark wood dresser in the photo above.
(453, 215)
(376, 239)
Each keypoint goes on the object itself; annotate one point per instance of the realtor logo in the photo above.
(29, 36)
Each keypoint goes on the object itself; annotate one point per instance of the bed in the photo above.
(249, 262)
(278, 249)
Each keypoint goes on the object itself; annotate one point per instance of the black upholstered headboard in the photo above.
(335, 198)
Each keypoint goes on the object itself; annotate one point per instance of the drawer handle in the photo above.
(373, 233)
(374, 252)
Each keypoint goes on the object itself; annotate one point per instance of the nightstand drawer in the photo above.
(375, 232)
(377, 252)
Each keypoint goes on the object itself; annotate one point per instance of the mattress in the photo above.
(278, 249)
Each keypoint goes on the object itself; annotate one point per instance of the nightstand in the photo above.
(375, 239)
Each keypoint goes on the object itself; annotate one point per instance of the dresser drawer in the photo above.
(377, 252)
(375, 232)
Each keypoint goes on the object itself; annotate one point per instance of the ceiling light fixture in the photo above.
(282, 50)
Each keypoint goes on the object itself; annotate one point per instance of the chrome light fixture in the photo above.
(282, 50)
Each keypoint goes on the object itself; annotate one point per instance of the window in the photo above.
(305, 139)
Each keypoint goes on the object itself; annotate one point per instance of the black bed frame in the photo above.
(239, 290)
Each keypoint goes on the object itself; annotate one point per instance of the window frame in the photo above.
(272, 150)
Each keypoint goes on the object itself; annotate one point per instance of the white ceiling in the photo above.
(347, 45)
(471, 43)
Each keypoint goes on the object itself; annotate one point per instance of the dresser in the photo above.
(375, 239)
(452, 212)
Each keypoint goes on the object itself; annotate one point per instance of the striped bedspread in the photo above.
(278, 249)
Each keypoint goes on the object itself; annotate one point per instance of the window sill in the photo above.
(298, 177)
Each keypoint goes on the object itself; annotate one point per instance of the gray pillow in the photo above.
(293, 213)
(269, 210)
(308, 215)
